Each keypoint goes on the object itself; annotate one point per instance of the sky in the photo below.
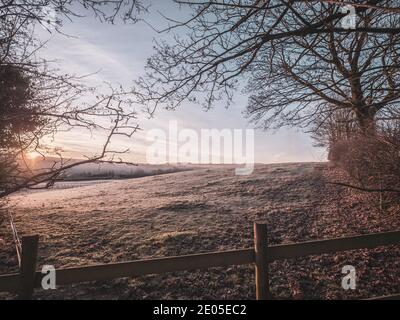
(117, 53)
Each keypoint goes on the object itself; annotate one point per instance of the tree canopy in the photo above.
(295, 59)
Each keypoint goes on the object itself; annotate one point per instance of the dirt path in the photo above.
(201, 211)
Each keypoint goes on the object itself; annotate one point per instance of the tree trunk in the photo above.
(366, 121)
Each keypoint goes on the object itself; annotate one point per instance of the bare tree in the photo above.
(38, 101)
(329, 132)
(297, 59)
(42, 11)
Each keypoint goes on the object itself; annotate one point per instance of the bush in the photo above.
(372, 163)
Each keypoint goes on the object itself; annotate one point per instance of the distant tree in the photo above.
(295, 59)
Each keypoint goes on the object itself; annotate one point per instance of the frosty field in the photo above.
(207, 209)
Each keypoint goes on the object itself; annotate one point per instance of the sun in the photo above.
(31, 155)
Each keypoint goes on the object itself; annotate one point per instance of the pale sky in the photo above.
(117, 54)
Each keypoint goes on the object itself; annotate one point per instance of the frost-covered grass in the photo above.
(207, 209)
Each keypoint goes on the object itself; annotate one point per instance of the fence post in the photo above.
(261, 267)
(28, 266)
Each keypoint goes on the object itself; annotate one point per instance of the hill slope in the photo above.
(200, 211)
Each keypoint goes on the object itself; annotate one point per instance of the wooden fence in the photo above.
(261, 255)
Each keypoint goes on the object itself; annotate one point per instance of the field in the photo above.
(206, 209)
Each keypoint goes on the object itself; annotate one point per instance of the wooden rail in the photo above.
(151, 266)
(317, 247)
(261, 255)
(392, 297)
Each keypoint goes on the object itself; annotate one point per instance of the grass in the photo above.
(201, 211)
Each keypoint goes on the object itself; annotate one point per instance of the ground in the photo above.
(201, 211)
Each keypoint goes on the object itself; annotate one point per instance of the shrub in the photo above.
(370, 160)
(372, 163)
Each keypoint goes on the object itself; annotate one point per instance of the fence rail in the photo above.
(261, 255)
(151, 266)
